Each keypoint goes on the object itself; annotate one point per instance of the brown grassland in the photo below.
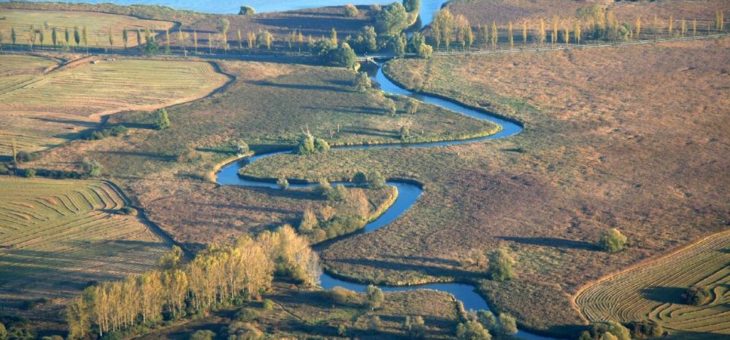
(56, 237)
(267, 105)
(516, 11)
(626, 137)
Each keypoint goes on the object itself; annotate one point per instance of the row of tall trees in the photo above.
(590, 23)
(218, 276)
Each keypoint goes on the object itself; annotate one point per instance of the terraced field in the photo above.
(57, 236)
(97, 26)
(653, 290)
(43, 109)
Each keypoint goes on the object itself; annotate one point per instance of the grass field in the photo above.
(41, 110)
(302, 314)
(268, 106)
(97, 27)
(57, 236)
(654, 291)
(626, 137)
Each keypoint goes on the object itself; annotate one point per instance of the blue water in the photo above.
(428, 7)
(408, 193)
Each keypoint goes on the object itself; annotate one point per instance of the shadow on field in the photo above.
(149, 155)
(82, 123)
(428, 270)
(552, 242)
(298, 86)
(350, 109)
(370, 132)
(664, 294)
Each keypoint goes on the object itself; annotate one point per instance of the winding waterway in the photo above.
(408, 193)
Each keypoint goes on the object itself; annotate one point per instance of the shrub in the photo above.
(415, 328)
(362, 82)
(162, 120)
(308, 222)
(321, 145)
(24, 156)
(404, 133)
(341, 225)
(377, 180)
(697, 295)
(29, 173)
(375, 297)
(646, 329)
(472, 330)
(343, 296)
(360, 178)
(500, 265)
(507, 324)
(612, 240)
(323, 187)
(305, 146)
(338, 193)
(91, 168)
(283, 183)
(374, 324)
(424, 51)
(246, 10)
(601, 330)
(268, 304)
(343, 56)
(241, 147)
(412, 106)
(351, 10)
(390, 108)
(247, 314)
(238, 330)
(202, 335)
(342, 330)
(4, 170)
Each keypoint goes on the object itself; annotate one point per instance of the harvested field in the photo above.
(97, 27)
(57, 236)
(626, 137)
(653, 291)
(29, 96)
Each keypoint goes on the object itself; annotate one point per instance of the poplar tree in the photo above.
(77, 36)
(720, 20)
(139, 38)
(195, 41)
(181, 39)
(125, 38)
(494, 35)
(683, 27)
(542, 34)
(524, 32)
(111, 38)
(670, 27)
(210, 43)
(333, 36)
(566, 33)
(637, 28)
(251, 38)
(167, 40)
(85, 37)
(240, 39)
(67, 36)
(577, 32)
(554, 37)
(694, 27)
(510, 36)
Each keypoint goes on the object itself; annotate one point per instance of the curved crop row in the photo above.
(654, 291)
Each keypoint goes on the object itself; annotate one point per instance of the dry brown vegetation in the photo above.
(56, 237)
(628, 137)
(504, 11)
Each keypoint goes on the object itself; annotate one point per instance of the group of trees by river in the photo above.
(219, 276)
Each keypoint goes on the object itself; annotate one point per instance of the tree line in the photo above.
(220, 275)
(594, 23)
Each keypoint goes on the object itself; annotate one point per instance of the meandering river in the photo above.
(408, 193)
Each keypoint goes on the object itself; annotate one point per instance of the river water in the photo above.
(408, 193)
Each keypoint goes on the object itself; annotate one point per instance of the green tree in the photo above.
(246, 10)
(77, 36)
(3, 332)
(13, 35)
(309, 221)
(54, 37)
(494, 35)
(283, 183)
(305, 146)
(241, 147)
(351, 11)
(415, 327)
(376, 180)
(362, 82)
(398, 45)
(375, 297)
(612, 240)
(172, 259)
(343, 56)
(615, 329)
(500, 265)
(412, 106)
(125, 38)
(697, 296)
(392, 20)
(162, 120)
(333, 37)
(203, 334)
(92, 168)
(507, 324)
